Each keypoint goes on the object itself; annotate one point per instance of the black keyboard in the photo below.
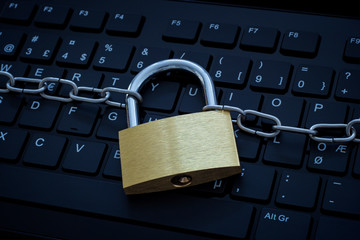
(60, 173)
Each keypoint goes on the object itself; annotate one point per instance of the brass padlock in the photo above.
(179, 151)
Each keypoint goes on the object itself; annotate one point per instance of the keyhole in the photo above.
(181, 180)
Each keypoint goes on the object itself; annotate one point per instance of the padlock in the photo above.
(178, 151)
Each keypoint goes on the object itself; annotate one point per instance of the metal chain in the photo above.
(277, 127)
(105, 93)
(73, 94)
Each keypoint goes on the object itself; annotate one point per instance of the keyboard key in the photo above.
(330, 228)
(39, 113)
(192, 100)
(230, 70)
(248, 145)
(181, 30)
(198, 57)
(296, 189)
(113, 57)
(144, 56)
(225, 218)
(347, 85)
(78, 118)
(113, 167)
(299, 43)
(286, 149)
(114, 120)
(214, 188)
(342, 196)
(10, 43)
(11, 143)
(356, 170)
(248, 185)
(325, 112)
(312, 81)
(17, 12)
(39, 48)
(52, 16)
(260, 39)
(288, 110)
(282, 225)
(219, 35)
(118, 81)
(328, 157)
(38, 71)
(87, 20)
(269, 75)
(15, 68)
(44, 150)
(160, 95)
(124, 24)
(81, 78)
(9, 107)
(75, 52)
(352, 49)
(84, 156)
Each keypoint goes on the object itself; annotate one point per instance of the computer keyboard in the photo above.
(60, 174)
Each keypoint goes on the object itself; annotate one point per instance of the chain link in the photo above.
(313, 132)
(104, 93)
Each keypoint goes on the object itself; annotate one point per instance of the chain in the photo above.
(277, 127)
(104, 93)
(313, 132)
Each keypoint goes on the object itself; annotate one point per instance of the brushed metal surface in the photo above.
(201, 145)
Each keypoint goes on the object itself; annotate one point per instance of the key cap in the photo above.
(81, 78)
(198, 57)
(261, 39)
(357, 164)
(112, 119)
(352, 49)
(192, 100)
(52, 16)
(328, 157)
(150, 117)
(44, 150)
(144, 56)
(39, 71)
(269, 75)
(230, 70)
(86, 194)
(84, 156)
(182, 31)
(285, 149)
(39, 48)
(296, 189)
(87, 20)
(300, 43)
(16, 69)
(124, 24)
(214, 188)
(160, 95)
(312, 81)
(330, 228)
(113, 167)
(342, 196)
(219, 35)
(10, 43)
(248, 185)
(347, 84)
(329, 112)
(39, 113)
(11, 143)
(282, 225)
(118, 81)
(78, 118)
(75, 52)
(247, 145)
(17, 12)
(113, 57)
(9, 107)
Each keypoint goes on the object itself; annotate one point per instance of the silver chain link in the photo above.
(277, 127)
(105, 93)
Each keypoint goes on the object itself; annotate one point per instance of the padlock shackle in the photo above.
(171, 64)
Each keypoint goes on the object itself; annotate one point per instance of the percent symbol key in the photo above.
(113, 57)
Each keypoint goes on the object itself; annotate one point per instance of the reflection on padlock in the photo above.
(178, 151)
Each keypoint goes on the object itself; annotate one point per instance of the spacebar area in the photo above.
(211, 216)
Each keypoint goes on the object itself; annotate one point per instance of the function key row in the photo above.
(84, 20)
(254, 38)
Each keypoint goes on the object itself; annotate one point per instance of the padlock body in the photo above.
(200, 145)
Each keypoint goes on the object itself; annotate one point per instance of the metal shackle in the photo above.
(142, 77)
